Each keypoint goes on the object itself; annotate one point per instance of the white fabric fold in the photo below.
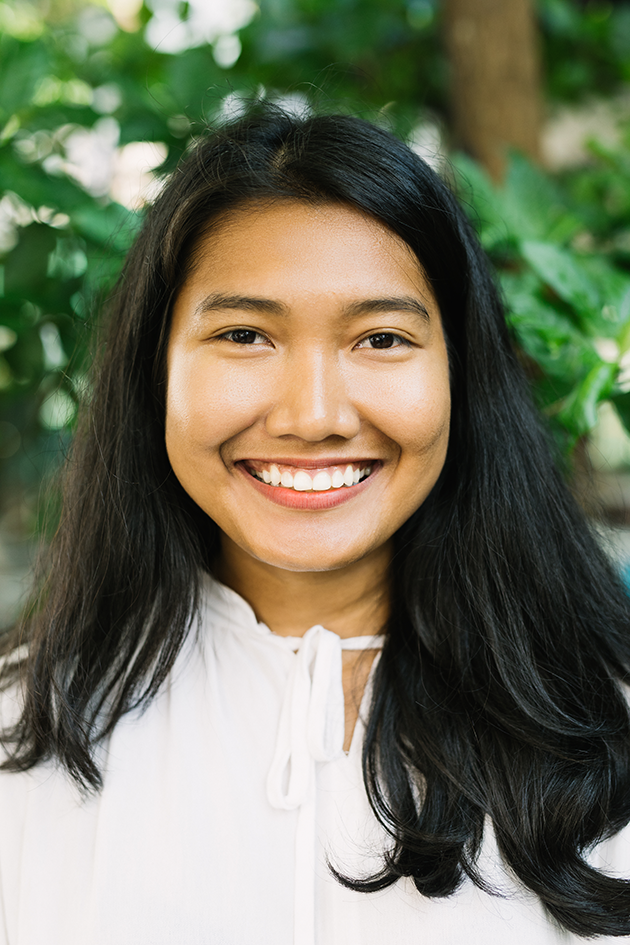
(184, 821)
(311, 730)
(312, 720)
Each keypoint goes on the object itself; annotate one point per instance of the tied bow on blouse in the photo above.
(311, 730)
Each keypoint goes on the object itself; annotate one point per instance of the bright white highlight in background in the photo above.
(209, 21)
(133, 183)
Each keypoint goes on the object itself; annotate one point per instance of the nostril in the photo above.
(312, 421)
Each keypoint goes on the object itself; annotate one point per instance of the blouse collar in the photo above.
(233, 610)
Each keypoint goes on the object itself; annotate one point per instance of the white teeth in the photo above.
(337, 479)
(322, 482)
(302, 482)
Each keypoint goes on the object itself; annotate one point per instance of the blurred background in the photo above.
(524, 107)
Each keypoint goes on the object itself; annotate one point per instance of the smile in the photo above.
(317, 479)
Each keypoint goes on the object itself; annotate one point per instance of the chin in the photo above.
(303, 559)
(308, 562)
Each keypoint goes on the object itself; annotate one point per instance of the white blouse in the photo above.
(222, 805)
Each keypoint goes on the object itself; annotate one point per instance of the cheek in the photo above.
(207, 404)
(414, 411)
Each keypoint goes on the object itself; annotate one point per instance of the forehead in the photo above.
(311, 244)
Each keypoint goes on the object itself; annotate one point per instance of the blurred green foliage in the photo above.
(78, 84)
(585, 47)
(564, 266)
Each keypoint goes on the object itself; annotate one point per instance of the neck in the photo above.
(350, 601)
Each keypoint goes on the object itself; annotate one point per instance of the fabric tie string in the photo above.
(311, 730)
(311, 721)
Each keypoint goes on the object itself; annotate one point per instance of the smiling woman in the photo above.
(322, 358)
(323, 640)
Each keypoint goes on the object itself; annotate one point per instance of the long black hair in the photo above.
(499, 692)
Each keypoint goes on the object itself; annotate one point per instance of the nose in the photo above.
(312, 400)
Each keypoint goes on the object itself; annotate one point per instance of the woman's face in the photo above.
(306, 352)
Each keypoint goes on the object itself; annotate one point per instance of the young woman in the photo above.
(325, 642)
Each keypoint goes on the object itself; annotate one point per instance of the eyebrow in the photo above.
(217, 302)
(398, 303)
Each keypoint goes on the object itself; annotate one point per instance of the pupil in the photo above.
(244, 337)
(382, 341)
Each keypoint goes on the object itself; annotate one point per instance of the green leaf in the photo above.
(112, 226)
(529, 205)
(563, 271)
(621, 403)
(534, 206)
(545, 334)
(22, 66)
(579, 411)
(36, 187)
(25, 267)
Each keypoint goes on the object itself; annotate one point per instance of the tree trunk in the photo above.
(495, 78)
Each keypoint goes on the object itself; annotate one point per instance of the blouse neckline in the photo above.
(240, 617)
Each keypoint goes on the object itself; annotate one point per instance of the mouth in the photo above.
(315, 478)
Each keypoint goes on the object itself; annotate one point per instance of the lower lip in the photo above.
(308, 501)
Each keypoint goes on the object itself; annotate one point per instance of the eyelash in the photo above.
(241, 331)
(228, 336)
(402, 342)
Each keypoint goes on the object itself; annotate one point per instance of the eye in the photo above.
(244, 336)
(383, 339)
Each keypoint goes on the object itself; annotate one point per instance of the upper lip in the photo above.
(310, 463)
